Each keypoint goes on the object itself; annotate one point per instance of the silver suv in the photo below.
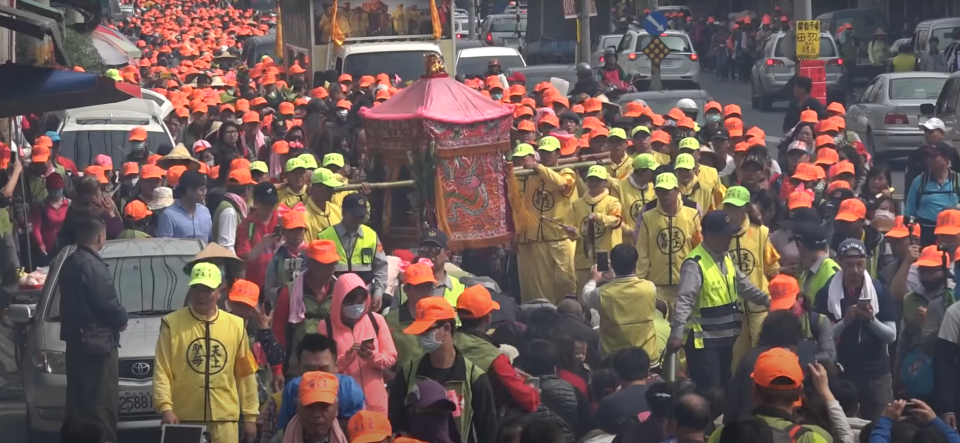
(772, 70)
(150, 281)
(681, 67)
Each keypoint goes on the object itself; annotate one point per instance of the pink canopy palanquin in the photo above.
(464, 135)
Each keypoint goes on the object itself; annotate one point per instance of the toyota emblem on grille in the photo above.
(140, 368)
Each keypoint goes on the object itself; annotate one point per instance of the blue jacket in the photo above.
(349, 395)
(881, 432)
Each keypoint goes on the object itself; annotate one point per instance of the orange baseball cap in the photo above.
(382, 94)
(243, 105)
(799, 199)
(741, 147)
(130, 168)
(660, 136)
(429, 311)
(686, 123)
(476, 302)
(712, 106)
(599, 132)
(137, 210)
(930, 257)
(241, 177)
(783, 292)
(297, 220)
(948, 222)
(526, 125)
(258, 101)
(756, 132)
(345, 78)
(227, 107)
(417, 274)
(319, 92)
(149, 171)
(838, 184)
(280, 147)
(244, 291)
(676, 114)
(843, 167)
(731, 110)
(549, 119)
(138, 134)
(805, 172)
(809, 116)
(778, 364)
(323, 251)
(827, 156)
(578, 108)
(286, 108)
(318, 387)
(592, 105)
(827, 124)
(250, 117)
(899, 229)
(522, 111)
(839, 121)
(591, 123)
(853, 209)
(368, 427)
(632, 109)
(40, 154)
(344, 104)
(96, 171)
(174, 173)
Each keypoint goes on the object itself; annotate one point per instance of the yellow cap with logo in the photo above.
(737, 196)
(326, 177)
(309, 160)
(259, 166)
(690, 143)
(643, 129)
(522, 150)
(666, 181)
(645, 161)
(333, 159)
(684, 161)
(549, 144)
(597, 171)
(206, 274)
(295, 163)
(617, 133)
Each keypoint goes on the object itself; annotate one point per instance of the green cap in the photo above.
(309, 160)
(333, 159)
(326, 177)
(690, 143)
(666, 181)
(617, 133)
(295, 163)
(598, 172)
(643, 129)
(259, 166)
(684, 161)
(549, 144)
(206, 274)
(522, 150)
(114, 74)
(737, 196)
(645, 161)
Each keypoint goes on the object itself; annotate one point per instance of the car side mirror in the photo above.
(20, 314)
(927, 109)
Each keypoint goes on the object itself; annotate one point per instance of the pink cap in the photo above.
(105, 161)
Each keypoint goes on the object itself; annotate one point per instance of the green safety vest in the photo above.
(360, 260)
(216, 218)
(37, 186)
(408, 348)
(314, 312)
(811, 285)
(475, 349)
(715, 313)
(450, 294)
(462, 388)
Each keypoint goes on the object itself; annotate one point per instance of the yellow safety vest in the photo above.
(621, 171)
(664, 241)
(627, 306)
(546, 198)
(289, 198)
(449, 294)
(318, 220)
(904, 63)
(206, 361)
(810, 284)
(361, 258)
(709, 177)
(606, 229)
(716, 305)
(748, 250)
(633, 200)
(699, 193)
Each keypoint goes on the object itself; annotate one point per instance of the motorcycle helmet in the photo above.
(686, 104)
(584, 70)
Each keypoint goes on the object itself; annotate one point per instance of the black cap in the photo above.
(940, 148)
(355, 204)
(851, 247)
(804, 215)
(569, 115)
(810, 234)
(718, 222)
(265, 193)
(720, 132)
(433, 236)
(754, 159)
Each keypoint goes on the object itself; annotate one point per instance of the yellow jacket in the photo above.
(755, 256)
(606, 228)
(664, 241)
(628, 306)
(633, 199)
(549, 195)
(318, 220)
(290, 198)
(200, 384)
(622, 170)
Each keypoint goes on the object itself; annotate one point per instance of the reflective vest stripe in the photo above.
(715, 317)
(361, 258)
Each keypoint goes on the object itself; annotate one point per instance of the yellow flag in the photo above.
(336, 35)
(435, 20)
(278, 47)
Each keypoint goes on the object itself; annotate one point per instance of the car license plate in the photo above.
(511, 41)
(133, 402)
(666, 64)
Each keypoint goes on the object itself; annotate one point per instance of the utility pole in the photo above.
(584, 50)
(472, 20)
(803, 10)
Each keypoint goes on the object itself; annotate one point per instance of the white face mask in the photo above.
(884, 214)
(428, 341)
(353, 312)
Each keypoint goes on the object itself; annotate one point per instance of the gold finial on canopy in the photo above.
(434, 63)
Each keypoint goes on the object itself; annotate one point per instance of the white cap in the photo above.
(797, 144)
(934, 123)
(686, 103)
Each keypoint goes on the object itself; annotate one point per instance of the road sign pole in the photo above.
(656, 84)
(584, 31)
(472, 20)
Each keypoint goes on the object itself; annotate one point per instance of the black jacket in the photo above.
(562, 404)
(87, 295)
(792, 117)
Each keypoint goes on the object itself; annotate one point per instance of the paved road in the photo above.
(771, 122)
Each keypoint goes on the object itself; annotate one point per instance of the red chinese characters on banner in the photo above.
(816, 70)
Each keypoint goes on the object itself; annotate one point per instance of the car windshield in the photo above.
(83, 147)
(920, 88)
(508, 24)
(945, 35)
(676, 43)
(145, 285)
(826, 48)
(610, 41)
(406, 64)
(478, 65)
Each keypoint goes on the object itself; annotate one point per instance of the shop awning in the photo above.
(35, 26)
(117, 40)
(34, 90)
(110, 55)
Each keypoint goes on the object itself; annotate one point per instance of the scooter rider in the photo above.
(611, 73)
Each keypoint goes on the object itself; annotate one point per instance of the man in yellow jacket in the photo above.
(322, 213)
(545, 256)
(294, 190)
(597, 219)
(204, 372)
(635, 191)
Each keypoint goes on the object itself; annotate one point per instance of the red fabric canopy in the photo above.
(439, 98)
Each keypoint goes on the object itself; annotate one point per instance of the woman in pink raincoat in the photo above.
(364, 344)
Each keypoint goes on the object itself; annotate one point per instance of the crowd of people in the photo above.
(688, 287)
